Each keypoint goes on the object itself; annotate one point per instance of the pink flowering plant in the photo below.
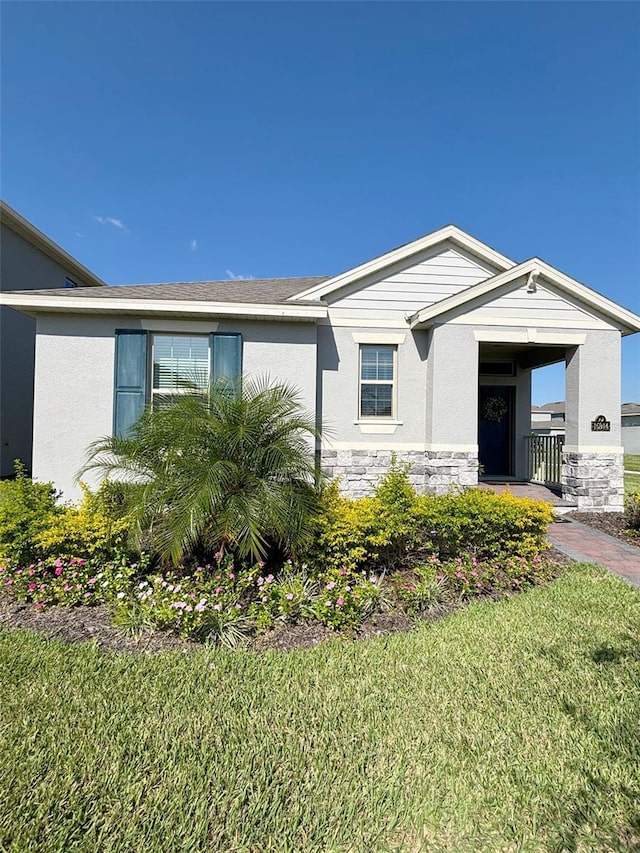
(345, 597)
(211, 602)
(69, 581)
(289, 597)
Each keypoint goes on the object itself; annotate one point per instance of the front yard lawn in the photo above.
(510, 726)
(632, 462)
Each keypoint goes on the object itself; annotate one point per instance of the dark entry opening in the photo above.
(496, 412)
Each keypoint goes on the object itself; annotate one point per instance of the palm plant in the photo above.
(229, 470)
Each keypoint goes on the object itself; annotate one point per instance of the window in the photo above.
(150, 368)
(180, 365)
(377, 381)
(70, 283)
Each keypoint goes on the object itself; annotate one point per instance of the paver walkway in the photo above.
(587, 545)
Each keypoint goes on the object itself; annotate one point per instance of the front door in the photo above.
(495, 430)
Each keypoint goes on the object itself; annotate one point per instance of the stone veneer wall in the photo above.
(435, 472)
(595, 481)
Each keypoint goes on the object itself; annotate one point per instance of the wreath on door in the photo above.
(494, 409)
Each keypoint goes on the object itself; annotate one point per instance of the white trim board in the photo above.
(37, 304)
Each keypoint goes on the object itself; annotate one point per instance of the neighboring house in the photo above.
(631, 427)
(545, 420)
(549, 420)
(425, 351)
(28, 261)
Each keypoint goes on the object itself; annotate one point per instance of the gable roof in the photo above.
(450, 233)
(21, 226)
(534, 267)
(631, 408)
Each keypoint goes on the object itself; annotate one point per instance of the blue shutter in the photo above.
(226, 357)
(130, 392)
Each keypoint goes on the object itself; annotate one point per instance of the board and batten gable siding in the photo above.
(546, 306)
(407, 288)
(74, 406)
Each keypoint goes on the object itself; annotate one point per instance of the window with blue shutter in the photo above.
(130, 395)
(226, 357)
(173, 364)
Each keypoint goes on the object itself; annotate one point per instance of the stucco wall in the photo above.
(338, 389)
(593, 387)
(22, 267)
(74, 379)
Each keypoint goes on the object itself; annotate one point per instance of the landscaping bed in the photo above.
(611, 523)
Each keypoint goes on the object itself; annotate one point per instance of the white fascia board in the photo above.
(30, 304)
(589, 298)
(449, 232)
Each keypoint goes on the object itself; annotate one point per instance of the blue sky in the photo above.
(185, 141)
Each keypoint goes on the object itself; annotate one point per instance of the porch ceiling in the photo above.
(526, 356)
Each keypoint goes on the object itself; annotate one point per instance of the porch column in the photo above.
(592, 464)
(451, 457)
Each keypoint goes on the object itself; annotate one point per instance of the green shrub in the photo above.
(483, 523)
(396, 528)
(88, 531)
(27, 509)
(632, 511)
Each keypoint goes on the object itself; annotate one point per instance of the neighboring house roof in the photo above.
(246, 298)
(630, 409)
(533, 268)
(450, 233)
(21, 226)
(555, 408)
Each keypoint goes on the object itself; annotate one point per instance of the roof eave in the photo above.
(21, 226)
(34, 305)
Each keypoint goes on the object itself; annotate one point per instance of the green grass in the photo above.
(631, 483)
(506, 727)
(632, 462)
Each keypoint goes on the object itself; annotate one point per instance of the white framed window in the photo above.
(378, 371)
(180, 364)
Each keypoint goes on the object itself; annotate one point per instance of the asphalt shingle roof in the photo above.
(258, 290)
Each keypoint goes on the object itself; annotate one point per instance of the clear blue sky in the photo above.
(304, 138)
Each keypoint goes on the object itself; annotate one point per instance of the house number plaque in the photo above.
(601, 424)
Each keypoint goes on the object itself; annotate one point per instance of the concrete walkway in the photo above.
(587, 545)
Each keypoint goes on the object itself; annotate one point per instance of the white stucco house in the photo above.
(28, 260)
(425, 351)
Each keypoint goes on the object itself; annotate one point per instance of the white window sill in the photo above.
(386, 421)
(378, 426)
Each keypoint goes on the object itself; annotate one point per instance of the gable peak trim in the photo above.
(449, 233)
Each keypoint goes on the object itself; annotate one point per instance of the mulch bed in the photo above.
(93, 624)
(606, 522)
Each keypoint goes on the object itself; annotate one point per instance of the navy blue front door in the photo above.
(495, 430)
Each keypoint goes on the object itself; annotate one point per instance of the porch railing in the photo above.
(545, 458)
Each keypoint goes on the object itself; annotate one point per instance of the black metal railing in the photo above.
(545, 458)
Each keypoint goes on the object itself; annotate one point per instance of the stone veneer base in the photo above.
(433, 472)
(594, 481)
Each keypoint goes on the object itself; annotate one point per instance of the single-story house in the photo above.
(425, 351)
(631, 427)
(28, 260)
